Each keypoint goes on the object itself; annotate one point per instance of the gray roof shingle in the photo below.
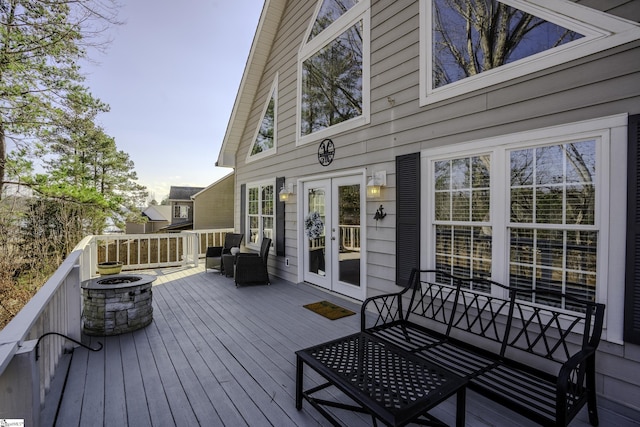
(183, 193)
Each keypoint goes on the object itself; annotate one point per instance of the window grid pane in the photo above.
(553, 193)
(554, 185)
(463, 251)
(462, 208)
(559, 260)
(261, 213)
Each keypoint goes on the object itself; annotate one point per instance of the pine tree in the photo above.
(41, 44)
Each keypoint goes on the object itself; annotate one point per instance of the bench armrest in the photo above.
(387, 308)
(570, 385)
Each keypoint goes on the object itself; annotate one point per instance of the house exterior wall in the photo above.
(155, 226)
(213, 207)
(177, 220)
(135, 228)
(145, 228)
(600, 85)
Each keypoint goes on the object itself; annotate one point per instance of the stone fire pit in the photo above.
(116, 304)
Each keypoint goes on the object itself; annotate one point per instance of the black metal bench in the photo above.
(534, 358)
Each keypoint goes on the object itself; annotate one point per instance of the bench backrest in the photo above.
(506, 316)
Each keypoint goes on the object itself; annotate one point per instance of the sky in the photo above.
(170, 76)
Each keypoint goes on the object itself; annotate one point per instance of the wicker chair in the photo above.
(251, 268)
(213, 257)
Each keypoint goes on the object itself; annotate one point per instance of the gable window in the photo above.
(333, 70)
(535, 210)
(265, 139)
(181, 211)
(329, 11)
(471, 44)
(260, 213)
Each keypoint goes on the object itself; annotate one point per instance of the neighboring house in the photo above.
(213, 206)
(158, 217)
(509, 163)
(181, 207)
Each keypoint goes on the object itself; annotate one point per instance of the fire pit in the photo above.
(116, 304)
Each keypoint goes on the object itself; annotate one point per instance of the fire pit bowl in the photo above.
(116, 304)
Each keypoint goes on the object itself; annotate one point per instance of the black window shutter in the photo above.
(407, 216)
(632, 291)
(243, 210)
(279, 219)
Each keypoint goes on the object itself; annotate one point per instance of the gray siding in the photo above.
(603, 84)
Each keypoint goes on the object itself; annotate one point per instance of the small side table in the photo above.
(228, 262)
(384, 381)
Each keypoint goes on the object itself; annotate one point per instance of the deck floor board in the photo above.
(137, 408)
(114, 397)
(217, 354)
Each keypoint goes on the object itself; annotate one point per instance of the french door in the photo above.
(332, 218)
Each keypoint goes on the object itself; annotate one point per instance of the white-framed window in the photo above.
(534, 210)
(333, 70)
(266, 136)
(552, 231)
(261, 214)
(181, 211)
(462, 222)
(466, 45)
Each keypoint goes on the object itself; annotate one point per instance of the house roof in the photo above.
(263, 40)
(254, 68)
(228, 176)
(183, 193)
(158, 213)
(177, 227)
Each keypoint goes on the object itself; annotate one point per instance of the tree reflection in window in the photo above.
(332, 82)
(265, 137)
(328, 13)
(553, 241)
(462, 217)
(473, 36)
(260, 212)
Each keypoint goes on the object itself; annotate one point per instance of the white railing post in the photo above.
(186, 246)
(20, 387)
(196, 248)
(74, 304)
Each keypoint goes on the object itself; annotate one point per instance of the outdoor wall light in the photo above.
(286, 193)
(375, 184)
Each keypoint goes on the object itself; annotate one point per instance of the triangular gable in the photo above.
(573, 31)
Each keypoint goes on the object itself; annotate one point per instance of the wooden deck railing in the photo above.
(25, 379)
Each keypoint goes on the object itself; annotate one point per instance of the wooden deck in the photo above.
(217, 355)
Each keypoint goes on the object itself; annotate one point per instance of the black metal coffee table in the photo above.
(386, 382)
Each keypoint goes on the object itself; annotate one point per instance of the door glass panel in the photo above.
(349, 226)
(314, 228)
